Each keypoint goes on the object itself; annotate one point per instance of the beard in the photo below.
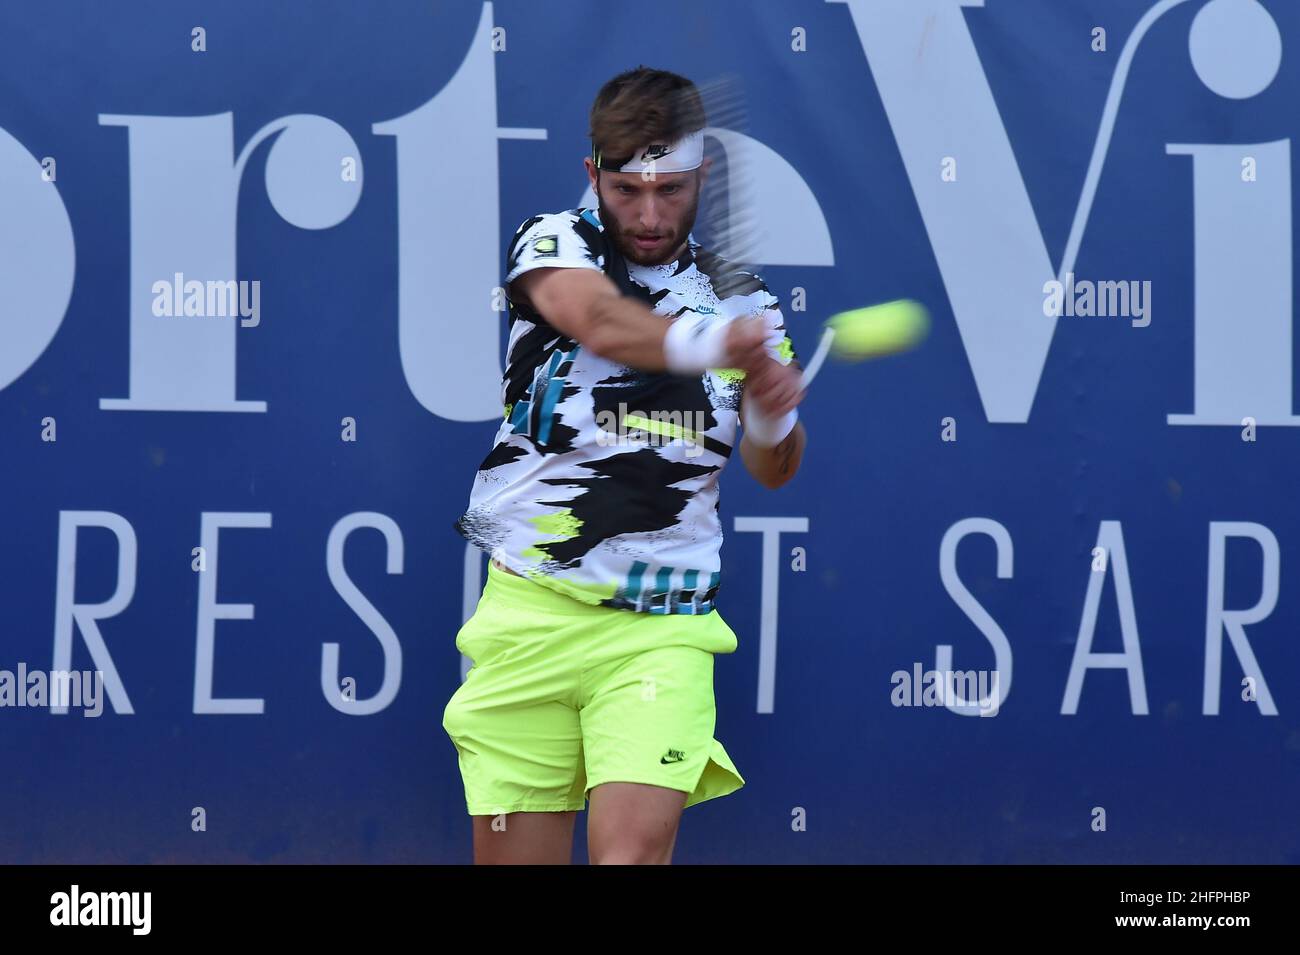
(624, 237)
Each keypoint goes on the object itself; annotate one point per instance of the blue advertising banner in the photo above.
(1031, 598)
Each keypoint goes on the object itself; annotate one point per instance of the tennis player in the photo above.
(633, 357)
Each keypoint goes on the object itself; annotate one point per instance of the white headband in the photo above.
(685, 154)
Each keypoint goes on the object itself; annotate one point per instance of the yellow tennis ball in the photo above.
(878, 329)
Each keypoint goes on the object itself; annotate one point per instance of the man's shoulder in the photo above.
(575, 229)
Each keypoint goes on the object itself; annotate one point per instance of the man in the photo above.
(632, 354)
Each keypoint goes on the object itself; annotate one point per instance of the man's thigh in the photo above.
(524, 838)
(633, 823)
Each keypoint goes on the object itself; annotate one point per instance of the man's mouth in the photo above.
(646, 242)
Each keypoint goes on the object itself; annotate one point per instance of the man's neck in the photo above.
(678, 252)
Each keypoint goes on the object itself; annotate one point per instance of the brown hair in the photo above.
(642, 106)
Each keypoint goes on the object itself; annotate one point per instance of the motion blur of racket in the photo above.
(732, 224)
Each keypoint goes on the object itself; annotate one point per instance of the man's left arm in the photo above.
(772, 467)
(774, 389)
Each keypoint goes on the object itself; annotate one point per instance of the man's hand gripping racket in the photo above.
(774, 390)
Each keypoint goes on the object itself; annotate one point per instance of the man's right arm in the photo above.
(586, 305)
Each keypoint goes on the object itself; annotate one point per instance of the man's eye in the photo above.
(670, 190)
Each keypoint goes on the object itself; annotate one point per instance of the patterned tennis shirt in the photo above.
(602, 481)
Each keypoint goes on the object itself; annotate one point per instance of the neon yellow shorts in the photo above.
(564, 696)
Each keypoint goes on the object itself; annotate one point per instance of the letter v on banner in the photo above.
(990, 249)
(939, 103)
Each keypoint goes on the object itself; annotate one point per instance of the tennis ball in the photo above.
(878, 329)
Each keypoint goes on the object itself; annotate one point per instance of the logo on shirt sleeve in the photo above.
(546, 245)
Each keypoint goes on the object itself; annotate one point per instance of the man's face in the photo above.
(649, 217)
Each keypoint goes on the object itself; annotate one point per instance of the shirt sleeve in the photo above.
(552, 241)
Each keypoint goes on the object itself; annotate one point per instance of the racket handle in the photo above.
(814, 366)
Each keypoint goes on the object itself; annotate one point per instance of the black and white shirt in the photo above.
(602, 482)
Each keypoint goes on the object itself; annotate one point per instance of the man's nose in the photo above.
(648, 215)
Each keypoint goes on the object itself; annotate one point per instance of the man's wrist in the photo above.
(766, 431)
